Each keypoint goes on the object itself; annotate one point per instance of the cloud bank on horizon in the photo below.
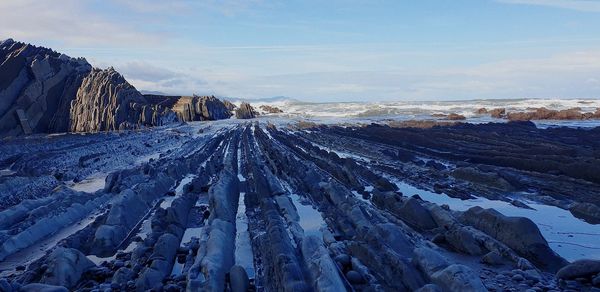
(328, 50)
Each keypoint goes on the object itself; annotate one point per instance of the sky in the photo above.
(353, 50)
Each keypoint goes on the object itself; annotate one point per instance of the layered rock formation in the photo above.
(270, 109)
(201, 108)
(37, 86)
(42, 91)
(246, 111)
(547, 114)
(106, 101)
(541, 113)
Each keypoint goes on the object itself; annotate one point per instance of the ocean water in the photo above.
(334, 112)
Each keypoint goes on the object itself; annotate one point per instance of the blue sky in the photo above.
(328, 50)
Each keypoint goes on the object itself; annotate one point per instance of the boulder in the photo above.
(429, 261)
(586, 211)
(455, 117)
(238, 279)
(518, 233)
(497, 112)
(447, 277)
(65, 267)
(270, 109)
(415, 214)
(463, 239)
(458, 278)
(579, 269)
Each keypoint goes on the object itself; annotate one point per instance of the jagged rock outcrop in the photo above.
(42, 91)
(37, 86)
(270, 109)
(245, 111)
(201, 108)
(106, 101)
(548, 114)
(230, 106)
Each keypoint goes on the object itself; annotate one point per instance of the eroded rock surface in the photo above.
(41, 84)
(246, 206)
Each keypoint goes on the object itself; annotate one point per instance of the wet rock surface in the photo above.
(251, 206)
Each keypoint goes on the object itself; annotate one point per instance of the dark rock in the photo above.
(517, 278)
(586, 211)
(355, 278)
(464, 240)
(245, 111)
(37, 86)
(519, 233)
(270, 109)
(429, 288)
(492, 258)
(580, 268)
(36, 287)
(344, 260)
(106, 101)
(238, 279)
(5, 286)
(65, 267)
(458, 278)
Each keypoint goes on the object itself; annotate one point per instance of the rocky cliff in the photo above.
(37, 86)
(42, 91)
(106, 101)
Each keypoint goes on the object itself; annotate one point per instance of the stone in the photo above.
(463, 240)
(200, 108)
(518, 233)
(458, 277)
(429, 260)
(105, 101)
(5, 286)
(38, 84)
(580, 268)
(65, 267)
(492, 258)
(429, 288)
(518, 278)
(238, 279)
(355, 278)
(36, 287)
(245, 111)
(270, 109)
(123, 275)
(344, 260)
(596, 280)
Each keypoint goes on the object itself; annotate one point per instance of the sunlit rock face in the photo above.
(106, 101)
(37, 86)
(200, 108)
(245, 111)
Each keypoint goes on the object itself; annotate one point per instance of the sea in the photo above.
(369, 112)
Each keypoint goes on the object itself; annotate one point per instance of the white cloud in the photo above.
(69, 21)
(580, 5)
